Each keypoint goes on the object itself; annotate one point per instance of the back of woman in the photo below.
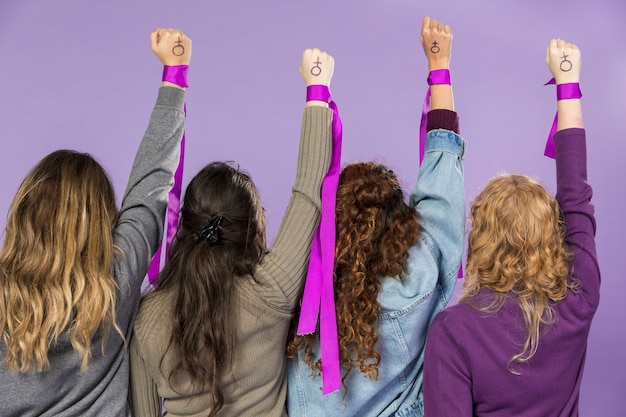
(515, 345)
(396, 266)
(210, 340)
(71, 268)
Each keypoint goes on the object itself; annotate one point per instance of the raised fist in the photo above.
(436, 40)
(317, 67)
(171, 46)
(563, 59)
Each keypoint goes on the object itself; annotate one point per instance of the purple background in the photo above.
(80, 74)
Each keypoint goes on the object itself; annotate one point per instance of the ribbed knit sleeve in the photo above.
(283, 270)
(443, 119)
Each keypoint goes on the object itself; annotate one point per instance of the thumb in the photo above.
(154, 38)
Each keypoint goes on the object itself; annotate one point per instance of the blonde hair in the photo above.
(517, 244)
(55, 264)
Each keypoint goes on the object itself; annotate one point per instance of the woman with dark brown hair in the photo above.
(210, 339)
(71, 266)
(396, 265)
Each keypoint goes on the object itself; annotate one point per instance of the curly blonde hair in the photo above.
(517, 245)
(55, 264)
(375, 229)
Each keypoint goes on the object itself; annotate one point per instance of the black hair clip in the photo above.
(211, 232)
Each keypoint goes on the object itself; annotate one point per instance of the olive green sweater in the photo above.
(256, 386)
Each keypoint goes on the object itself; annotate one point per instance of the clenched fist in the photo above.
(171, 46)
(563, 59)
(436, 40)
(317, 67)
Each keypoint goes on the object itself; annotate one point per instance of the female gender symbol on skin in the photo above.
(435, 49)
(176, 51)
(316, 70)
(568, 64)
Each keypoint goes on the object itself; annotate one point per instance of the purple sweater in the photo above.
(465, 367)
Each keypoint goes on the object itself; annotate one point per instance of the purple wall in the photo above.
(78, 74)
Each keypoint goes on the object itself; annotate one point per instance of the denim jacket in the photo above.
(409, 302)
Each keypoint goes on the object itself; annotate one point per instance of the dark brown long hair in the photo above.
(203, 275)
(375, 230)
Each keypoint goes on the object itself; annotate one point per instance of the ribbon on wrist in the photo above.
(564, 91)
(318, 299)
(176, 74)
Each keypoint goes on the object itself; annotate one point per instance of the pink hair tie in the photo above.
(318, 299)
(563, 92)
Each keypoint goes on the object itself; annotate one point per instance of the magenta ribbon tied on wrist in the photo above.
(435, 77)
(319, 297)
(176, 74)
(563, 92)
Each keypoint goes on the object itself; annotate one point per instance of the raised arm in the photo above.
(140, 223)
(439, 196)
(573, 191)
(436, 40)
(283, 270)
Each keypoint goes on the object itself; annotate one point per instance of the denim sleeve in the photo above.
(439, 198)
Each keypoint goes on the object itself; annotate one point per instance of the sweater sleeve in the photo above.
(442, 119)
(439, 198)
(283, 270)
(140, 224)
(574, 196)
(447, 378)
(144, 398)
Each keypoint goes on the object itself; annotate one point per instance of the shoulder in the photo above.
(155, 314)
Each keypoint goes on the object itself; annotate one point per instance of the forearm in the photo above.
(441, 97)
(570, 114)
(439, 196)
(288, 258)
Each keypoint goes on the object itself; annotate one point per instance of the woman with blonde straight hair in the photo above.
(71, 266)
(515, 344)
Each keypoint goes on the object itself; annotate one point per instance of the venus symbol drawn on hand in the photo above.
(316, 70)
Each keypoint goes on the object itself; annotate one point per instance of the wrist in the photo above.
(317, 95)
(439, 76)
(175, 75)
(567, 91)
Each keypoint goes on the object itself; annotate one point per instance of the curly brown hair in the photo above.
(375, 229)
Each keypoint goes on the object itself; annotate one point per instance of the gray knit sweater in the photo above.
(102, 389)
(256, 385)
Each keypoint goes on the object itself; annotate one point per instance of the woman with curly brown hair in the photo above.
(515, 344)
(396, 266)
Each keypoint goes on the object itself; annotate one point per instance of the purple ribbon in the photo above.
(176, 75)
(563, 92)
(318, 299)
(440, 76)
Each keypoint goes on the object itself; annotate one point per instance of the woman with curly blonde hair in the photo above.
(396, 266)
(71, 267)
(515, 344)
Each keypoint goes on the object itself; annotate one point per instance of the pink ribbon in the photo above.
(440, 76)
(318, 299)
(563, 92)
(176, 75)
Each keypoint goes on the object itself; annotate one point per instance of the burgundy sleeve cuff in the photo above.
(442, 119)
